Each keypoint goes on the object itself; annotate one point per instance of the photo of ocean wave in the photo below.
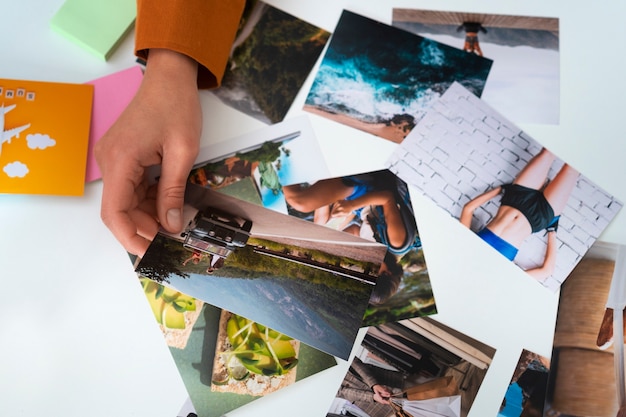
(381, 79)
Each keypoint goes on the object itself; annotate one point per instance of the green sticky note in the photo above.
(96, 25)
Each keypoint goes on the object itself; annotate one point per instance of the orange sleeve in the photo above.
(201, 29)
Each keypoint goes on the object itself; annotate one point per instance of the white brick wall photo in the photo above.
(462, 147)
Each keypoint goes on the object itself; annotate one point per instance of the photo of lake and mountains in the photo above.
(271, 169)
(306, 281)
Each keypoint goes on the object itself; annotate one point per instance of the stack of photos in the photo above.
(381, 79)
(303, 280)
(533, 208)
(273, 169)
(419, 366)
(197, 332)
(270, 59)
(524, 78)
(281, 263)
(267, 168)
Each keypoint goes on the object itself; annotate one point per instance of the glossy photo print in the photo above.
(306, 281)
(418, 366)
(524, 81)
(270, 59)
(274, 168)
(587, 363)
(375, 206)
(255, 166)
(518, 197)
(381, 79)
(224, 360)
(526, 393)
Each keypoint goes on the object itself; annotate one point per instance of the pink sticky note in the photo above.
(112, 93)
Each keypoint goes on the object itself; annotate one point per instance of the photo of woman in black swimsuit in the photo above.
(529, 205)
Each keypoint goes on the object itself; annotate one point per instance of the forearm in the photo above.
(549, 262)
(468, 210)
(203, 30)
(373, 198)
(168, 66)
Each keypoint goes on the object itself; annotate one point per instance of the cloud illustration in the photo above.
(40, 141)
(15, 169)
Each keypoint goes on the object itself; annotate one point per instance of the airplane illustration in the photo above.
(7, 135)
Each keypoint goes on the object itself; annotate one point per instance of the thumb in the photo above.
(175, 168)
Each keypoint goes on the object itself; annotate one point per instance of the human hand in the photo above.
(161, 125)
(381, 394)
(342, 208)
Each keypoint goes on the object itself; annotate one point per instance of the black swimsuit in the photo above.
(531, 203)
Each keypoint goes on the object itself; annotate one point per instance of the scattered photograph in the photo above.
(415, 367)
(587, 365)
(375, 206)
(261, 170)
(271, 57)
(228, 361)
(526, 394)
(273, 168)
(524, 81)
(533, 208)
(306, 281)
(380, 79)
(254, 167)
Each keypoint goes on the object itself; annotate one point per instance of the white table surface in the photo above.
(76, 334)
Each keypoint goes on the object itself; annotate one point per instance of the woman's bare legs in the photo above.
(321, 215)
(322, 193)
(535, 173)
(558, 191)
(396, 229)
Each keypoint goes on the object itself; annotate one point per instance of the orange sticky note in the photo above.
(44, 128)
